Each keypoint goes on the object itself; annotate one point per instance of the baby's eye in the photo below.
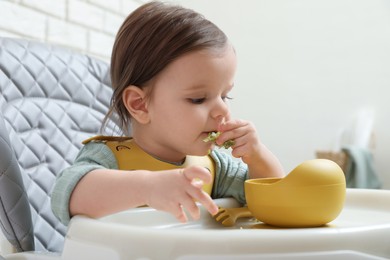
(225, 98)
(197, 100)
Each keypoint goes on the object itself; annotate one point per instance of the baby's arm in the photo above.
(103, 191)
(247, 146)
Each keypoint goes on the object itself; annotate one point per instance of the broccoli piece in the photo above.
(227, 144)
(214, 135)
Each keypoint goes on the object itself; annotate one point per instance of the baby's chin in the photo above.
(202, 152)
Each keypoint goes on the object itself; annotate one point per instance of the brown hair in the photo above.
(150, 38)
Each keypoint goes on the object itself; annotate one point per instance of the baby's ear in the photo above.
(135, 101)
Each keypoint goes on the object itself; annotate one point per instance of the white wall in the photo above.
(307, 68)
(87, 26)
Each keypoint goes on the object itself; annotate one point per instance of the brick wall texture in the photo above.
(86, 26)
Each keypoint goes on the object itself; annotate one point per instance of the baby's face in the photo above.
(188, 101)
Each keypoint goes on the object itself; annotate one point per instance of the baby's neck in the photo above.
(170, 162)
(145, 146)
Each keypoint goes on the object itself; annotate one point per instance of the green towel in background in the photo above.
(360, 171)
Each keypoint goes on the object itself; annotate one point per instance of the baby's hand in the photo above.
(246, 143)
(176, 190)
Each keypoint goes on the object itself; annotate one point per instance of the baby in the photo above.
(172, 71)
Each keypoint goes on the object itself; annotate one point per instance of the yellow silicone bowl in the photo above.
(311, 195)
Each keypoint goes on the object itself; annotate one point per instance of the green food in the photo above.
(212, 137)
(227, 144)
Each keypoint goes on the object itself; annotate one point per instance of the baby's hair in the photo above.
(149, 39)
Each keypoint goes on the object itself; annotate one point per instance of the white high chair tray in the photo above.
(361, 231)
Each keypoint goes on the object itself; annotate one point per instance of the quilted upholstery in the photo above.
(51, 99)
(15, 210)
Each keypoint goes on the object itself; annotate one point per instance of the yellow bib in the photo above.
(130, 156)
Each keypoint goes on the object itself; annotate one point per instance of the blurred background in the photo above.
(312, 76)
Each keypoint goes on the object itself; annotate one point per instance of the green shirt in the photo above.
(230, 175)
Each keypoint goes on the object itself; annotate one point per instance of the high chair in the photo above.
(51, 99)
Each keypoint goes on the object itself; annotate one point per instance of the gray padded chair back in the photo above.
(15, 212)
(51, 99)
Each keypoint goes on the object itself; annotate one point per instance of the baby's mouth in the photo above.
(212, 137)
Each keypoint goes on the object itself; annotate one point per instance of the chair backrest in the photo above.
(15, 215)
(50, 99)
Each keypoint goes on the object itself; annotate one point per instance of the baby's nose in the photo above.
(222, 119)
(220, 112)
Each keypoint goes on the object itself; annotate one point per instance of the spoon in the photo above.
(229, 216)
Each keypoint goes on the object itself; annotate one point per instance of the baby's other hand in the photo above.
(260, 160)
(176, 190)
(247, 145)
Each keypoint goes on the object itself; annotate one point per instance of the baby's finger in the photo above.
(231, 124)
(228, 136)
(196, 172)
(204, 199)
(197, 183)
(191, 207)
(239, 151)
(239, 134)
(210, 205)
(180, 214)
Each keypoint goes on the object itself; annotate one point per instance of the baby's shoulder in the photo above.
(96, 151)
